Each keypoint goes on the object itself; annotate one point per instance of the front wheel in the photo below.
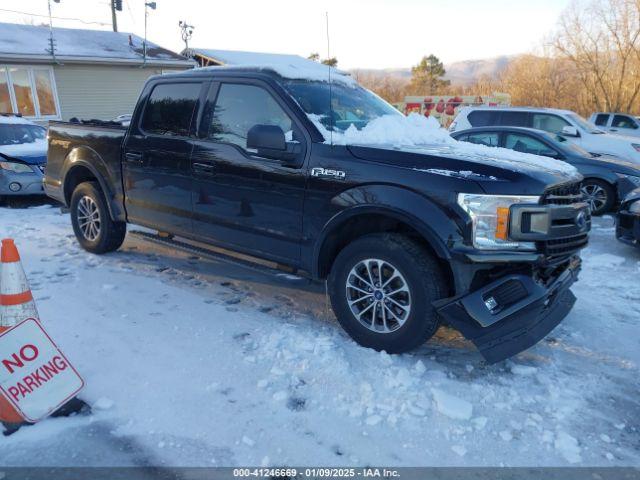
(95, 230)
(381, 288)
(599, 195)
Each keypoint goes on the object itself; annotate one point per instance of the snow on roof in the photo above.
(287, 66)
(25, 42)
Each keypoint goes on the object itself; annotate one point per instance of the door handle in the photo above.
(204, 168)
(133, 157)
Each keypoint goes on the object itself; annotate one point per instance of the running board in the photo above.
(261, 266)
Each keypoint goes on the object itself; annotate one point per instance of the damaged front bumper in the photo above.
(512, 313)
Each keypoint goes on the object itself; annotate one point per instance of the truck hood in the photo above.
(618, 145)
(32, 153)
(493, 168)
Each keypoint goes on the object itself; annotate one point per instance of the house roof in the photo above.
(31, 43)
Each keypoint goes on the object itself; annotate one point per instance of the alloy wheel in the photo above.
(595, 196)
(89, 218)
(378, 295)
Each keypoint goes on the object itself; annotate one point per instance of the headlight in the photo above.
(490, 217)
(632, 178)
(16, 167)
(635, 207)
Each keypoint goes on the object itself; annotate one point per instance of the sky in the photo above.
(362, 34)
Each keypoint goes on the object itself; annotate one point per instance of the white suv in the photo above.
(563, 122)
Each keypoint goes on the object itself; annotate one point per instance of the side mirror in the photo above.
(570, 131)
(266, 137)
(269, 141)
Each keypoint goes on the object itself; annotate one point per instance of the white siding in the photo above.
(97, 91)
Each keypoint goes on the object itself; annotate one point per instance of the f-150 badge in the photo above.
(327, 172)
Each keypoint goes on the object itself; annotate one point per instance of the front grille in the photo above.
(558, 248)
(565, 246)
(563, 195)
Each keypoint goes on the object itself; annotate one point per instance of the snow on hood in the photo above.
(418, 134)
(33, 153)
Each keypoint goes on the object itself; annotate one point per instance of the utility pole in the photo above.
(186, 31)
(116, 5)
(152, 6)
(52, 41)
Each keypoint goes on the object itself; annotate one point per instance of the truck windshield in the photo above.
(582, 123)
(15, 134)
(350, 105)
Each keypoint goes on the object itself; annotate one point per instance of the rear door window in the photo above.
(527, 144)
(622, 121)
(602, 119)
(489, 139)
(170, 108)
(483, 118)
(549, 122)
(514, 119)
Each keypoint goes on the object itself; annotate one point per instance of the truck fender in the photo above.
(429, 220)
(86, 158)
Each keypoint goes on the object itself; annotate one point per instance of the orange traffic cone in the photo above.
(16, 305)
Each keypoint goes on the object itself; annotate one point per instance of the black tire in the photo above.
(424, 279)
(110, 234)
(600, 195)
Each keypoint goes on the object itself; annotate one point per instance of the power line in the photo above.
(57, 18)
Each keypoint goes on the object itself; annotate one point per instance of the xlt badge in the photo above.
(327, 172)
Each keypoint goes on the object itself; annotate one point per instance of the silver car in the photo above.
(23, 156)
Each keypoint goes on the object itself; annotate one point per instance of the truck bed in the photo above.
(101, 142)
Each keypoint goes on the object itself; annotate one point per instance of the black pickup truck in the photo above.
(261, 162)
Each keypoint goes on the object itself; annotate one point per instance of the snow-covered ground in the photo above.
(195, 362)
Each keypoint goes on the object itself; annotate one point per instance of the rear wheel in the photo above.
(95, 230)
(599, 195)
(381, 288)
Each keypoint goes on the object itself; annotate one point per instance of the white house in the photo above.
(89, 73)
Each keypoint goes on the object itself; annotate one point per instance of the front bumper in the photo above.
(628, 227)
(29, 183)
(512, 313)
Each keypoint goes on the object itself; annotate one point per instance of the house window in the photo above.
(29, 91)
(5, 97)
(44, 91)
(22, 91)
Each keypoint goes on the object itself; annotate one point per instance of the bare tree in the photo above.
(601, 38)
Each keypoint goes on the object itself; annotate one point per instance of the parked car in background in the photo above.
(617, 123)
(124, 119)
(606, 180)
(628, 219)
(23, 156)
(565, 122)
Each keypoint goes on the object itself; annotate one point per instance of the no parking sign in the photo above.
(35, 376)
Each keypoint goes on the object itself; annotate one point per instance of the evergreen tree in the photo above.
(427, 76)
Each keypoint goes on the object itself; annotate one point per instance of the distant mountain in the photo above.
(466, 72)
(460, 73)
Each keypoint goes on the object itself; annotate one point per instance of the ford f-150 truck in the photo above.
(292, 168)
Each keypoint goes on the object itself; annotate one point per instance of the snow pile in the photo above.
(425, 135)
